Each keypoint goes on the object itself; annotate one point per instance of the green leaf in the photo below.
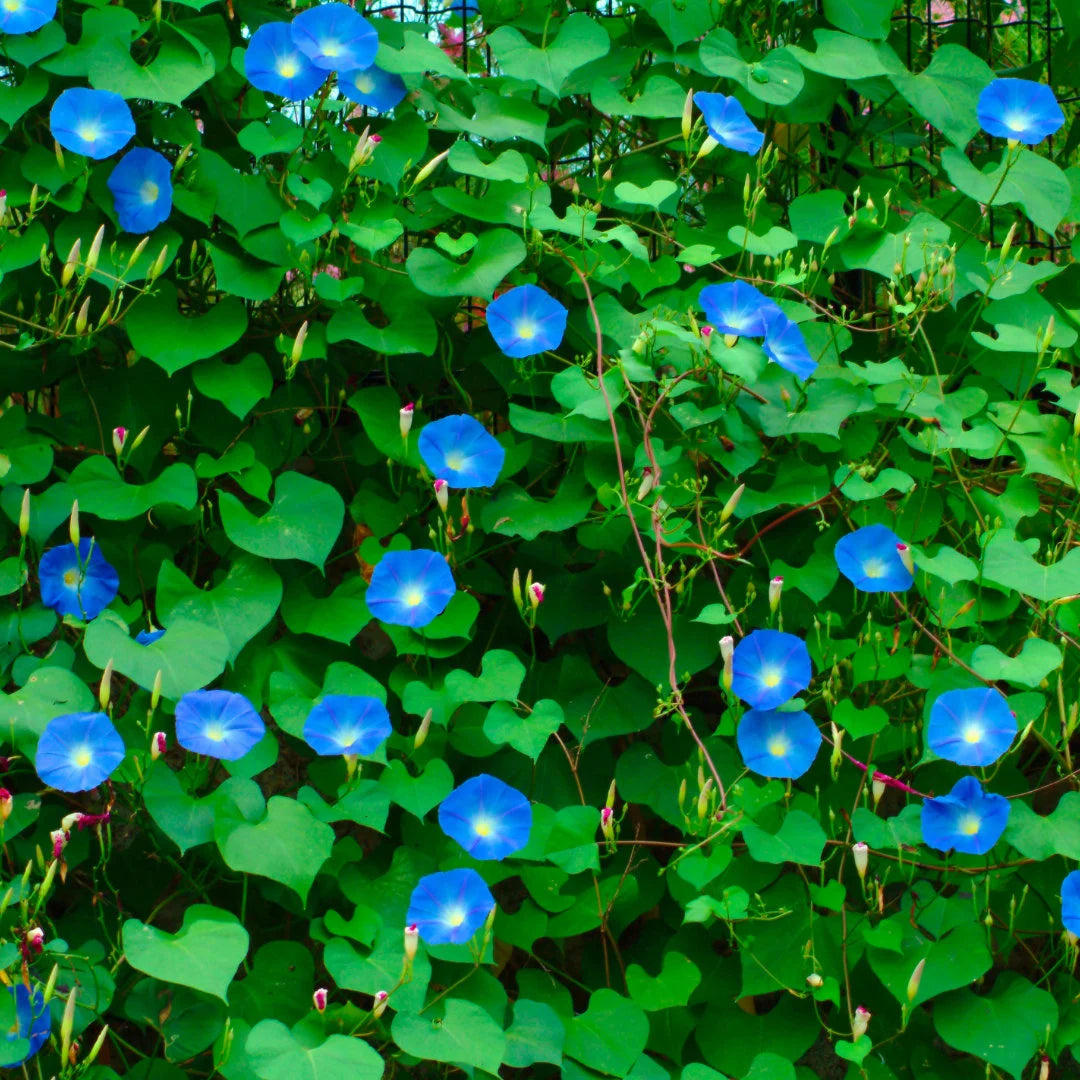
(1037, 837)
(580, 40)
(863, 18)
(464, 1034)
(609, 1036)
(671, 989)
(800, 840)
(288, 846)
(303, 523)
(203, 954)
(500, 679)
(1036, 659)
(1010, 564)
(947, 92)
(418, 794)
(776, 79)
(528, 734)
(536, 1034)
(239, 386)
(240, 275)
(101, 491)
(656, 193)
(276, 1053)
(181, 65)
(497, 252)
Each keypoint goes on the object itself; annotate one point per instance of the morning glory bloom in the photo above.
(32, 1021)
(870, 559)
(971, 727)
(77, 583)
(78, 751)
(96, 123)
(448, 908)
(967, 819)
(1070, 902)
(148, 637)
(373, 87)
(727, 122)
(217, 723)
(525, 321)
(274, 63)
(335, 37)
(459, 450)
(141, 185)
(778, 744)
(25, 16)
(488, 818)
(736, 308)
(1020, 110)
(785, 345)
(347, 724)
(410, 588)
(770, 667)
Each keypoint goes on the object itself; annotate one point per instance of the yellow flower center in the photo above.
(482, 827)
(88, 132)
(973, 734)
(455, 917)
(83, 757)
(71, 578)
(215, 732)
(526, 331)
(346, 738)
(874, 568)
(12, 5)
(148, 192)
(365, 84)
(1015, 122)
(779, 746)
(455, 461)
(414, 598)
(771, 677)
(331, 48)
(969, 824)
(287, 68)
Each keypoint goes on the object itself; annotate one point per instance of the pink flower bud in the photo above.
(375, 139)
(379, 1007)
(442, 494)
(7, 804)
(319, 998)
(119, 437)
(158, 745)
(860, 1023)
(861, 854)
(70, 821)
(905, 557)
(536, 594)
(35, 939)
(706, 330)
(412, 940)
(405, 419)
(775, 588)
(59, 838)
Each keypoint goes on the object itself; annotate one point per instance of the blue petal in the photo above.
(33, 1020)
(1019, 109)
(410, 588)
(1070, 902)
(334, 37)
(459, 450)
(971, 727)
(449, 907)
(770, 667)
(525, 321)
(373, 87)
(78, 751)
(25, 16)
(96, 123)
(347, 724)
(869, 559)
(778, 744)
(217, 723)
(737, 308)
(148, 637)
(968, 819)
(274, 64)
(785, 345)
(80, 584)
(141, 185)
(488, 818)
(727, 122)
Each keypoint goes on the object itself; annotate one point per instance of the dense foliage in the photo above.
(538, 538)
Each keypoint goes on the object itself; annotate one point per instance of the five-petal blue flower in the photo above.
(736, 308)
(373, 87)
(971, 727)
(449, 907)
(785, 345)
(870, 559)
(335, 37)
(1070, 902)
(78, 751)
(410, 588)
(33, 1021)
(967, 819)
(25, 16)
(141, 186)
(347, 724)
(525, 321)
(770, 667)
(96, 123)
(459, 450)
(778, 744)
(217, 723)
(488, 818)
(79, 583)
(274, 63)
(1019, 109)
(727, 122)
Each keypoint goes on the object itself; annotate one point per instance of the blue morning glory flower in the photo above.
(96, 123)
(373, 87)
(967, 819)
(141, 186)
(525, 321)
(1070, 902)
(25, 16)
(770, 667)
(488, 818)
(78, 751)
(971, 727)
(736, 308)
(334, 37)
(274, 63)
(410, 588)
(32, 1021)
(148, 637)
(217, 723)
(459, 450)
(778, 744)
(727, 122)
(77, 583)
(1019, 109)
(870, 559)
(448, 908)
(785, 345)
(465, 8)
(347, 724)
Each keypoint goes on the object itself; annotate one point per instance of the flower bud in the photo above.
(1044, 1068)
(412, 941)
(379, 1006)
(298, 344)
(731, 340)
(157, 267)
(442, 494)
(158, 745)
(99, 1042)
(536, 594)
(70, 821)
(727, 652)
(688, 115)
(916, 978)
(24, 514)
(607, 823)
(860, 1023)
(775, 588)
(105, 689)
(319, 998)
(95, 250)
(3, 204)
(703, 799)
(905, 557)
(155, 694)
(71, 263)
(83, 317)
(609, 802)
(67, 1024)
(861, 854)
(59, 838)
(405, 418)
(119, 437)
(133, 258)
(50, 984)
(729, 506)
(35, 939)
(814, 981)
(430, 167)
(515, 588)
(47, 883)
(73, 523)
(7, 804)
(422, 731)
(648, 482)
(878, 788)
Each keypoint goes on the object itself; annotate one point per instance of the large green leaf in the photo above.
(276, 1053)
(464, 1034)
(580, 40)
(497, 252)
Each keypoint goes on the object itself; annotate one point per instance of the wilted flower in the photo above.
(870, 559)
(96, 123)
(78, 751)
(785, 345)
(77, 582)
(778, 744)
(449, 907)
(347, 724)
(728, 124)
(967, 819)
(451, 40)
(141, 186)
(971, 727)
(487, 817)
(148, 637)
(410, 588)
(769, 668)
(372, 86)
(525, 321)
(461, 451)
(335, 37)
(217, 723)
(1019, 110)
(274, 63)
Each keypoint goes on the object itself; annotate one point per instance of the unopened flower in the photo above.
(905, 557)
(59, 838)
(379, 1006)
(7, 804)
(412, 940)
(536, 594)
(405, 418)
(119, 437)
(648, 482)
(442, 494)
(861, 854)
(727, 653)
(776, 586)
(158, 745)
(319, 998)
(860, 1023)
(733, 501)
(916, 978)
(814, 980)
(607, 823)
(35, 939)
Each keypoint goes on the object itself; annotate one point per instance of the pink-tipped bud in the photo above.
(648, 482)
(412, 941)
(1044, 1068)
(320, 998)
(376, 139)
(405, 419)
(776, 586)
(35, 939)
(7, 804)
(706, 332)
(861, 854)
(860, 1023)
(442, 494)
(905, 557)
(379, 1006)
(814, 981)
(607, 823)
(536, 594)
(158, 745)
(727, 653)
(59, 838)
(119, 437)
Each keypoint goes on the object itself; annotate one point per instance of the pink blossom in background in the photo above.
(1014, 12)
(942, 11)
(333, 271)
(452, 40)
